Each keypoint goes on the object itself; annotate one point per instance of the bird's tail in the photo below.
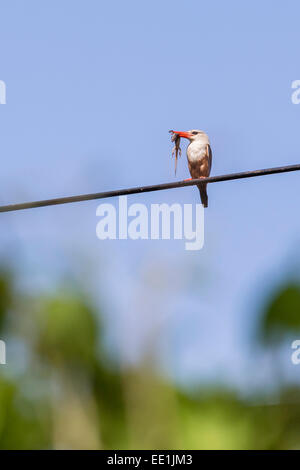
(203, 193)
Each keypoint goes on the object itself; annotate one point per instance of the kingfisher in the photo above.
(199, 156)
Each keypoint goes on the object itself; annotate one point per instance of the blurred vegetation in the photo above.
(281, 315)
(68, 394)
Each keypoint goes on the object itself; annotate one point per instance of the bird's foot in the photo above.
(188, 179)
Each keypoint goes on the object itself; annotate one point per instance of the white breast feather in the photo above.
(196, 151)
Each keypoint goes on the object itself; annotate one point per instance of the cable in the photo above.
(146, 189)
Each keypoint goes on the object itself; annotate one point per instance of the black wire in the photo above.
(146, 189)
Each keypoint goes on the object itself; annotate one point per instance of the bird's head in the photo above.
(194, 134)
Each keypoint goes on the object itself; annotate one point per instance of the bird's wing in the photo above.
(209, 157)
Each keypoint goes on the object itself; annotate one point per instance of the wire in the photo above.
(147, 189)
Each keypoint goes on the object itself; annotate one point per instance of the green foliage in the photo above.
(66, 331)
(5, 295)
(24, 424)
(282, 314)
(70, 396)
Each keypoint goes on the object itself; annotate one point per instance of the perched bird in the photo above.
(199, 158)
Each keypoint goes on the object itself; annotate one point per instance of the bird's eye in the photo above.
(194, 132)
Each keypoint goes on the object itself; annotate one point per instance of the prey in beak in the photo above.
(186, 135)
(176, 135)
(176, 149)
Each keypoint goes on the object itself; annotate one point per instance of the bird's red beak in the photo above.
(186, 135)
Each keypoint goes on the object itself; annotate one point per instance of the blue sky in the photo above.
(92, 89)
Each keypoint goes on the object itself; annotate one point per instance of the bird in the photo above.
(199, 156)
